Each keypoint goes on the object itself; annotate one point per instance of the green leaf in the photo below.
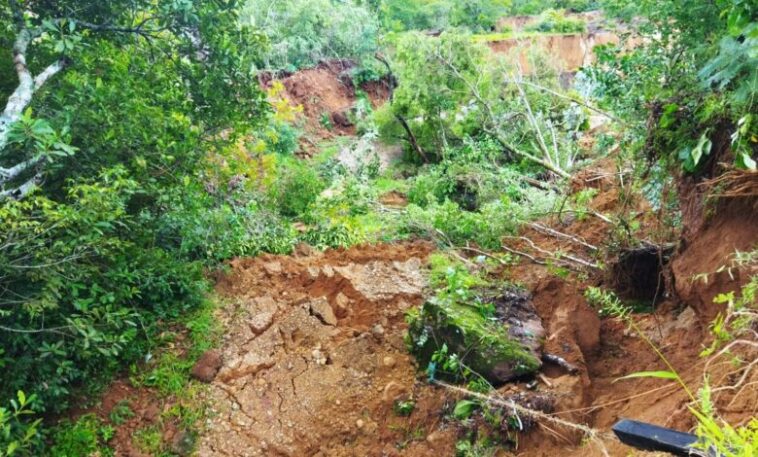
(464, 409)
(745, 162)
(650, 374)
(703, 148)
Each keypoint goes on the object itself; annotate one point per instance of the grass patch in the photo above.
(83, 437)
(149, 440)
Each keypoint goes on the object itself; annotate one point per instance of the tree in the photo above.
(301, 33)
(48, 37)
(111, 107)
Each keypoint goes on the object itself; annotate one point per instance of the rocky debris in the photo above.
(378, 332)
(261, 322)
(301, 386)
(341, 305)
(304, 250)
(321, 309)
(378, 281)
(207, 367)
(265, 309)
(273, 268)
(500, 348)
(247, 365)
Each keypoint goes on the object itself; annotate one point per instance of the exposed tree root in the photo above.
(595, 436)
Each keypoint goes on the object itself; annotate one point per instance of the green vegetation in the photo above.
(556, 21)
(301, 33)
(143, 144)
(714, 433)
(456, 335)
(697, 70)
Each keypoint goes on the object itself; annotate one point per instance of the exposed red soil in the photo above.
(314, 358)
(327, 94)
(571, 51)
(597, 398)
(711, 253)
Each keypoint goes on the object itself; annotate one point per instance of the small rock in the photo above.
(378, 332)
(183, 443)
(273, 268)
(342, 305)
(247, 365)
(389, 361)
(207, 367)
(359, 423)
(303, 250)
(392, 391)
(313, 272)
(261, 322)
(319, 356)
(323, 311)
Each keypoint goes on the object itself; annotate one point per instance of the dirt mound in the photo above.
(327, 94)
(314, 358)
(705, 268)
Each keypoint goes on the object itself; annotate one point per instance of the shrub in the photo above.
(297, 186)
(86, 286)
(555, 21)
(18, 433)
(213, 228)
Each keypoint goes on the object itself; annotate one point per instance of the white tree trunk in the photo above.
(18, 101)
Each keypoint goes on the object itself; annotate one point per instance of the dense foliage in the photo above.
(698, 70)
(301, 33)
(132, 95)
(453, 88)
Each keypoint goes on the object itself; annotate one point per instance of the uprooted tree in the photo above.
(451, 88)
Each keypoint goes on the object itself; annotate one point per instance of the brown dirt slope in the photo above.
(314, 358)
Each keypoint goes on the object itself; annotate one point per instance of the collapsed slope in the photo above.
(314, 359)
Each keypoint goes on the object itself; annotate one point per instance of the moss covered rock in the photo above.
(500, 346)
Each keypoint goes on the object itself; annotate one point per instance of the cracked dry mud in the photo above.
(314, 357)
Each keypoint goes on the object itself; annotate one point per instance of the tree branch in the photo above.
(23, 190)
(8, 174)
(52, 70)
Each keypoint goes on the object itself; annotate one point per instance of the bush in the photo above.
(212, 228)
(87, 284)
(297, 186)
(555, 21)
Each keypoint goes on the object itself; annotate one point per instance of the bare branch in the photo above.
(52, 70)
(557, 234)
(23, 190)
(8, 174)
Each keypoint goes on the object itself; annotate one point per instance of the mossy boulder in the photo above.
(499, 347)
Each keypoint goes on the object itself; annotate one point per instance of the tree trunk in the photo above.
(18, 101)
